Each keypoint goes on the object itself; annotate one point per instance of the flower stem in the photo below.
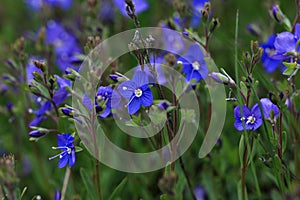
(98, 180)
(65, 184)
(187, 178)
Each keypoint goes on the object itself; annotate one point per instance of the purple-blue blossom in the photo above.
(65, 144)
(194, 65)
(65, 45)
(270, 64)
(269, 107)
(137, 92)
(105, 101)
(247, 119)
(286, 42)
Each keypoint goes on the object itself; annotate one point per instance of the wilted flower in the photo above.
(67, 156)
(247, 119)
(137, 92)
(194, 65)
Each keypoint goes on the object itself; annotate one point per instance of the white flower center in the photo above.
(69, 150)
(138, 92)
(250, 120)
(196, 65)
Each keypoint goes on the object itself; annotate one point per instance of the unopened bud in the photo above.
(277, 14)
(40, 64)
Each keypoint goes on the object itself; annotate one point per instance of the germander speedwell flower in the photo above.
(247, 119)
(137, 92)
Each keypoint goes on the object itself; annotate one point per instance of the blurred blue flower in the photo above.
(269, 107)
(200, 193)
(173, 41)
(106, 12)
(270, 64)
(57, 195)
(251, 119)
(137, 92)
(65, 45)
(38, 4)
(197, 6)
(139, 5)
(194, 65)
(67, 156)
(286, 42)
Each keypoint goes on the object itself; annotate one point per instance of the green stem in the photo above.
(187, 178)
(98, 180)
(65, 184)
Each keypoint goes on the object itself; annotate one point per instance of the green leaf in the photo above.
(78, 149)
(88, 184)
(241, 149)
(290, 65)
(23, 193)
(118, 189)
(288, 71)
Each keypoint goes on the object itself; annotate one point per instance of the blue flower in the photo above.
(269, 107)
(286, 42)
(105, 100)
(194, 65)
(197, 6)
(59, 96)
(270, 64)
(67, 156)
(57, 195)
(250, 119)
(65, 45)
(139, 5)
(200, 193)
(38, 4)
(137, 92)
(173, 41)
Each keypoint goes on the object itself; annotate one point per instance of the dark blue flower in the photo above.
(270, 64)
(269, 107)
(250, 119)
(105, 100)
(286, 42)
(137, 92)
(67, 156)
(194, 65)
(139, 5)
(197, 6)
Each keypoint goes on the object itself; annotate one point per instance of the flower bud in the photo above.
(254, 30)
(67, 111)
(37, 77)
(215, 23)
(222, 78)
(41, 65)
(117, 78)
(71, 74)
(36, 133)
(277, 14)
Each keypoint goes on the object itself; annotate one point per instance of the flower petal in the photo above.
(72, 158)
(147, 98)
(63, 161)
(285, 42)
(140, 78)
(127, 88)
(134, 105)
